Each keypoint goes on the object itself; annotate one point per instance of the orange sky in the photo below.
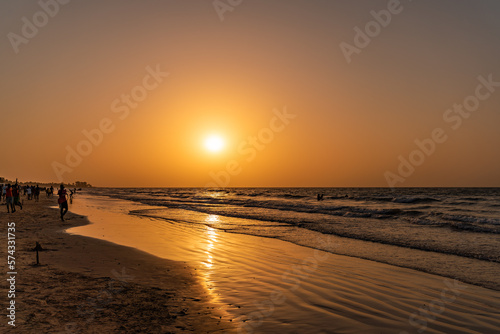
(272, 78)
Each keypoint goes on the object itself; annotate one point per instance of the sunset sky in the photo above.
(149, 81)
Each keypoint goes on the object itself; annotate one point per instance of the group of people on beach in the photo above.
(11, 194)
(49, 192)
(32, 192)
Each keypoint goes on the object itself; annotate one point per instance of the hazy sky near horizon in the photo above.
(299, 95)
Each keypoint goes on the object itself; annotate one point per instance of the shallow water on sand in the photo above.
(268, 285)
(453, 232)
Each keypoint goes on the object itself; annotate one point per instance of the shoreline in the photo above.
(442, 261)
(271, 285)
(89, 285)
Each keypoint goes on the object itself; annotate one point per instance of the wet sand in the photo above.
(267, 285)
(86, 285)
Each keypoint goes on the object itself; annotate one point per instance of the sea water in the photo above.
(453, 232)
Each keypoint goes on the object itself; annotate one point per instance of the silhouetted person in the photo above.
(320, 197)
(63, 201)
(37, 193)
(16, 193)
(4, 190)
(9, 199)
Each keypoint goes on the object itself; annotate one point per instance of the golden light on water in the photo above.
(211, 242)
(211, 234)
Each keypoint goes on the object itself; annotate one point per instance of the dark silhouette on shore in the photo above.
(63, 201)
(9, 199)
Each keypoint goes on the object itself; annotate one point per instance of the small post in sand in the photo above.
(37, 248)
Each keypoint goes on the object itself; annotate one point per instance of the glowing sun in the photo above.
(214, 143)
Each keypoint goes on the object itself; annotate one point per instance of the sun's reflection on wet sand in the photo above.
(211, 235)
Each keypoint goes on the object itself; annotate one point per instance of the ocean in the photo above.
(452, 232)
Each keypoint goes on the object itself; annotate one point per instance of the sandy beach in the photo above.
(149, 276)
(86, 285)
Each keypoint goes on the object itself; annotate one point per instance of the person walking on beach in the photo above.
(9, 199)
(37, 193)
(16, 193)
(63, 201)
(28, 191)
